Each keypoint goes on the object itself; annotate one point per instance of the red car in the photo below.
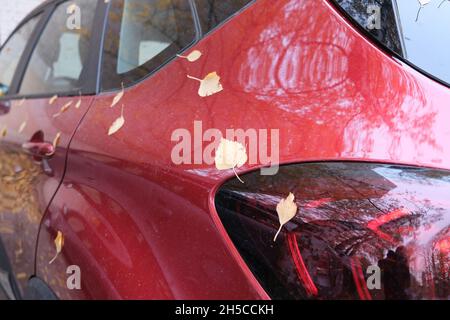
(201, 149)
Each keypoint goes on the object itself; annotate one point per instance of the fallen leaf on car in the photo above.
(78, 104)
(53, 99)
(118, 97)
(209, 85)
(4, 132)
(55, 143)
(63, 109)
(191, 57)
(229, 155)
(286, 210)
(117, 124)
(22, 126)
(21, 102)
(59, 244)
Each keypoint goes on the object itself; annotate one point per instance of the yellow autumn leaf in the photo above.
(77, 106)
(22, 126)
(53, 99)
(59, 244)
(63, 109)
(4, 132)
(117, 124)
(229, 155)
(286, 210)
(56, 141)
(209, 85)
(192, 57)
(21, 102)
(118, 97)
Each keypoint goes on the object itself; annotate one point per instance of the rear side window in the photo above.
(415, 30)
(60, 58)
(214, 12)
(142, 35)
(12, 52)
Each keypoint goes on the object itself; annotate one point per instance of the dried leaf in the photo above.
(118, 97)
(193, 56)
(209, 85)
(59, 244)
(56, 140)
(286, 210)
(117, 124)
(63, 109)
(53, 99)
(22, 126)
(21, 102)
(229, 155)
(4, 132)
(77, 106)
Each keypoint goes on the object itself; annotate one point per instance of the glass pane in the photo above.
(416, 32)
(62, 52)
(12, 52)
(142, 36)
(213, 12)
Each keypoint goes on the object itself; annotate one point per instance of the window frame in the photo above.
(381, 46)
(91, 77)
(199, 35)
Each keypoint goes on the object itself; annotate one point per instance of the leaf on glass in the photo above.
(229, 155)
(59, 244)
(286, 210)
(209, 85)
(3, 132)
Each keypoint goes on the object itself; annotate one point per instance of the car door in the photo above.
(45, 97)
(129, 231)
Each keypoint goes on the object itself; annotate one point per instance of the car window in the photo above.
(62, 52)
(213, 12)
(12, 52)
(141, 36)
(415, 30)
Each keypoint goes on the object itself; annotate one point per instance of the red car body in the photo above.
(141, 227)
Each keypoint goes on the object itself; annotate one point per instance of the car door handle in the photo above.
(39, 149)
(5, 106)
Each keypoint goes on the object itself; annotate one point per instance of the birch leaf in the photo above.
(21, 102)
(4, 132)
(286, 210)
(209, 85)
(192, 57)
(118, 97)
(59, 244)
(55, 143)
(117, 124)
(22, 126)
(53, 99)
(63, 109)
(229, 155)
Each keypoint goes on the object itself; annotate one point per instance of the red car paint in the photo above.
(141, 227)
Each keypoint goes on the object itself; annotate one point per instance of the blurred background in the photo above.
(11, 13)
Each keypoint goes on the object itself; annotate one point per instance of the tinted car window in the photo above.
(12, 52)
(141, 36)
(62, 52)
(213, 12)
(418, 33)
